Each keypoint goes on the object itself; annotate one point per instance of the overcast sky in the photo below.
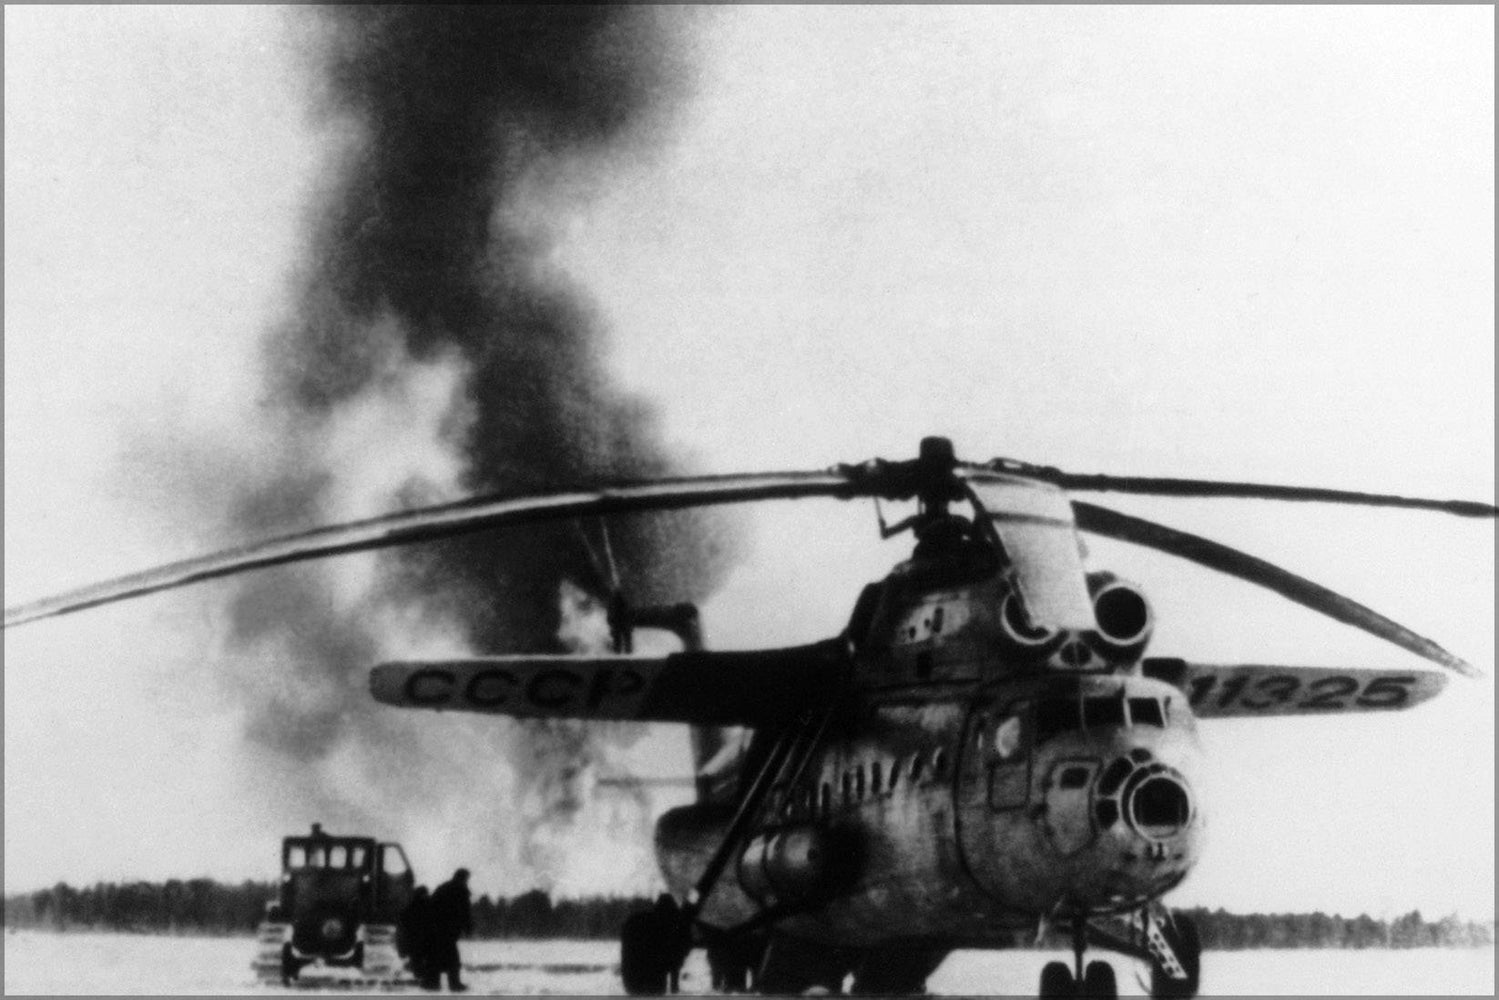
(1246, 243)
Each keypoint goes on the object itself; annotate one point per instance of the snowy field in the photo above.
(83, 963)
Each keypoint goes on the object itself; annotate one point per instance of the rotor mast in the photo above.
(928, 478)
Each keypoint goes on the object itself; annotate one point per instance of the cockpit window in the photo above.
(1100, 713)
(1007, 740)
(1074, 777)
(1146, 712)
(1114, 776)
(1056, 715)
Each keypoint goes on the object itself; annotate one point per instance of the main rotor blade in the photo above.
(1204, 552)
(446, 521)
(1160, 486)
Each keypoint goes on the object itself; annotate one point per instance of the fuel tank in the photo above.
(796, 864)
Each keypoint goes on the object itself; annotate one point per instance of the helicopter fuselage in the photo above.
(931, 813)
(975, 783)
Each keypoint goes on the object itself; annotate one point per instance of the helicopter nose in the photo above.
(1150, 830)
(1159, 803)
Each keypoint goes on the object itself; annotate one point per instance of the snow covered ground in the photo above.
(85, 963)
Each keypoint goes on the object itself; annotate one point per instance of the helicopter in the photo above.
(984, 754)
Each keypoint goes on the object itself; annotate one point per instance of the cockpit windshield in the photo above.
(1146, 712)
(1055, 716)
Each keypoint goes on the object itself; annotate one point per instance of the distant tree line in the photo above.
(203, 906)
(194, 906)
(1223, 931)
(535, 914)
(1231, 932)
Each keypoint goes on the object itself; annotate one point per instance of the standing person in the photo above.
(415, 937)
(452, 917)
(674, 939)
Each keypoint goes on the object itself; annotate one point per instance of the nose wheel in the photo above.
(1168, 941)
(1096, 980)
(1058, 981)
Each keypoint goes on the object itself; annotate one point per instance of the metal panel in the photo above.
(1034, 523)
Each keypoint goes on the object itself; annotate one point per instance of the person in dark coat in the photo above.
(674, 939)
(452, 917)
(415, 935)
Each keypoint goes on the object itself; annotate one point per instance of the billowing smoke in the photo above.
(432, 354)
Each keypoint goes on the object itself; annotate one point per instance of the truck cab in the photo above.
(339, 900)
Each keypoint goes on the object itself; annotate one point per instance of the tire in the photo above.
(726, 971)
(896, 971)
(326, 930)
(1057, 981)
(794, 966)
(1181, 934)
(1099, 983)
(641, 948)
(732, 964)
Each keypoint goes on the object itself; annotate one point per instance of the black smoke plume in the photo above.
(417, 265)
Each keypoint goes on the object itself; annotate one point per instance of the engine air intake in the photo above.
(1018, 629)
(1123, 615)
(1160, 807)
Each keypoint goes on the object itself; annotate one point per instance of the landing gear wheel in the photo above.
(730, 966)
(793, 967)
(727, 975)
(1181, 933)
(1057, 982)
(642, 948)
(892, 970)
(1099, 983)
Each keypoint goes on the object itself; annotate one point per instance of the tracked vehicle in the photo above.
(337, 909)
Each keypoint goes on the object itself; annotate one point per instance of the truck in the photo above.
(338, 908)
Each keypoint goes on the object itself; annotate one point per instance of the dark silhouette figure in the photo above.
(452, 917)
(415, 933)
(673, 941)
